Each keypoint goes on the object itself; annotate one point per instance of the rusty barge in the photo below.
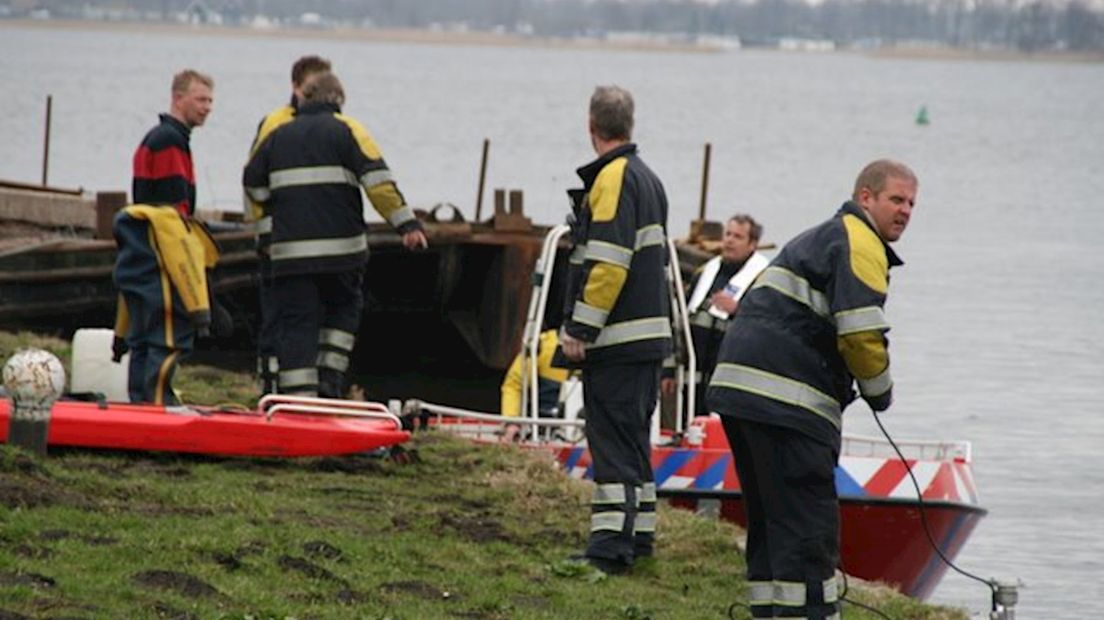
(454, 311)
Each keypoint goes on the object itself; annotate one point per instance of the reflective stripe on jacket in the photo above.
(309, 173)
(810, 328)
(617, 285)
(254, 211)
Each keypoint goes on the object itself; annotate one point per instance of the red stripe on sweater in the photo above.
(167, 162)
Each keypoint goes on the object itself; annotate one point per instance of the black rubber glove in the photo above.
(880, 402)
(119, 348)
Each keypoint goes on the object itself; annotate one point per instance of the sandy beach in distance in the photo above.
(954, 53)
(425, 36)
(485, 38)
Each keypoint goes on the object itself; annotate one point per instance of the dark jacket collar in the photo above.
(853, 208)
(172, 121)
(318, 107)
(590, 171)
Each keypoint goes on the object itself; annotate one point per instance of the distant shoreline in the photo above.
(959, 53)
(371, 35)
(493, 39)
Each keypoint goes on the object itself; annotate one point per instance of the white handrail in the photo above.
(682, 320)
(538, 302)
(271, 404)
(862, 445)
(444, 410)
(360, 405)
(334, 411)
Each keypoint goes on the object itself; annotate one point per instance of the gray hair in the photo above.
(325, 88)
(755, 229)
(611, 113)
(873, 176)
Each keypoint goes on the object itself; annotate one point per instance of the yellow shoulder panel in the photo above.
(274, 120)
(549, 340)
(606, 192)
(364, 139)
(864, 352)
(868, 257)
(603, 285)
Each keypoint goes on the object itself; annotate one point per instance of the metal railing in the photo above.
(538, 303)
(271, 404)
(861, 445)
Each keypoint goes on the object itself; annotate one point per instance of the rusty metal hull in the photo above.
(459, 305)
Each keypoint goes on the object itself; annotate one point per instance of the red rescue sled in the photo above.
(281, 426)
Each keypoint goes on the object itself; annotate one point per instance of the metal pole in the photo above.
(705, 180)
(46, 142)
(482, 180)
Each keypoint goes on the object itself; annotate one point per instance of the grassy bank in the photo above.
(459, 531)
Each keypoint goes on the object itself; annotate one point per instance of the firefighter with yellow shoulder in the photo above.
(811, 327)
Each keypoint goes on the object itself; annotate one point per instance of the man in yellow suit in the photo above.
(549, 380)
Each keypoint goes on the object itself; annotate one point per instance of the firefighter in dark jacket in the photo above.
(309, 174)
(811, 327)
(714, 295)
(267, 363)
(618, 328)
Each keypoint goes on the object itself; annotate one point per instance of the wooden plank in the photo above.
(47, 209)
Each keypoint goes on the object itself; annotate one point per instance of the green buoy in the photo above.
(922, 115)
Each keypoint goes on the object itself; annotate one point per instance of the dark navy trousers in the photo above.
(317, 322)
(789, 491)
(619, 401)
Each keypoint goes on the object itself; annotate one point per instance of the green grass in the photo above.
(462, 531)
(196, 384)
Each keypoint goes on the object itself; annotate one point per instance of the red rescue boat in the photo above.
(280, 426)
(882, 535)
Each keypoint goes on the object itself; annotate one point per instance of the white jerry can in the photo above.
(93, 370)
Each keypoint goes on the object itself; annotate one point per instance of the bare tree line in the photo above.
(1006, 24)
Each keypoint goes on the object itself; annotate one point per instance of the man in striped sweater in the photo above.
(163, 172)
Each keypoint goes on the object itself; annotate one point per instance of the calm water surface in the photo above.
(999, 333)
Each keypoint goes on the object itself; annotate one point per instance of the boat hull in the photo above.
(882, 535)
(119, 426)
(880, 540)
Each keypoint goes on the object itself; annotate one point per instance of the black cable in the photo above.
(927, 532)
(732, 608)
(924, 516)
(843, 597)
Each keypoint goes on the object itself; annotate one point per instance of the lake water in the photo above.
(998, 330)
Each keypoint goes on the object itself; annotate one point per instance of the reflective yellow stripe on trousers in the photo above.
(793, 593)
